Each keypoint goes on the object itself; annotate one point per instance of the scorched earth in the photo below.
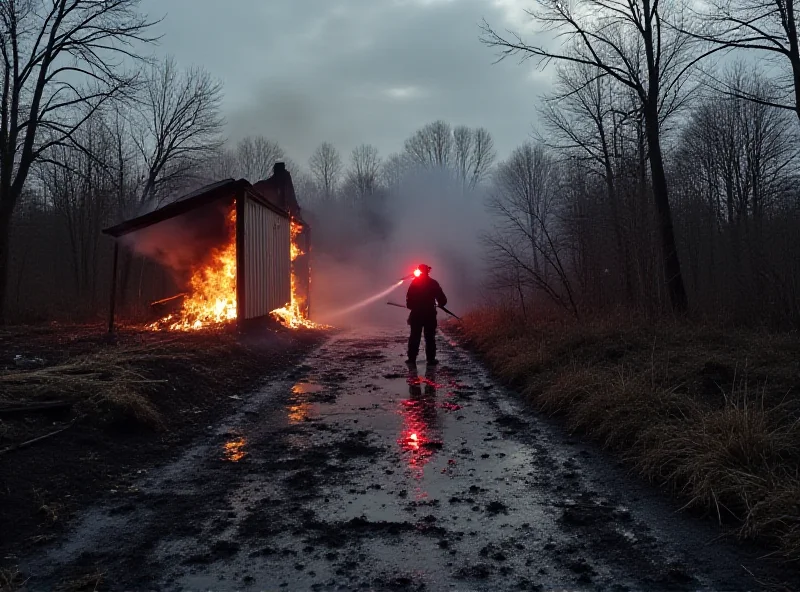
(354, 473)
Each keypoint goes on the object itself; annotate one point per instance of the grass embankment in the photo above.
(133, 404)
(712, 414)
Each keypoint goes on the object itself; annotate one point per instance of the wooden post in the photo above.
(113, 289)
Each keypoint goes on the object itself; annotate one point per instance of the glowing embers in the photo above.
(211, 298)
(234, 449)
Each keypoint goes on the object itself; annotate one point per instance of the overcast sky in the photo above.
(351, 71)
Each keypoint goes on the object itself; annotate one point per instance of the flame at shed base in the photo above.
(211, 299)
(293, 314)
(293, 317)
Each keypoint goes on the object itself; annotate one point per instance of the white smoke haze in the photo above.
(428, 220)
(180, 243)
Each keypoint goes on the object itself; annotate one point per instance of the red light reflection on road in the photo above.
(418, 438)
(428, 382)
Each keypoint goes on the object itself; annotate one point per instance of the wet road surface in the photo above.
(354, 473)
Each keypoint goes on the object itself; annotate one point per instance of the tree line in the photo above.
(657, 180)
(665, 176)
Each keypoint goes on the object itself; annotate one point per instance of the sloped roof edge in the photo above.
(203, 196)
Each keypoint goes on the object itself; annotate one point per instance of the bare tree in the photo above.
(124, 165)
(304, 186)
(462, 145)
(326, 168)
(80, 184)
(255, 157)
(177, 125)
(394, 169)
(431, 146)
(221, 164)
(525, 242)
(482, 158)
(583, 119)
(473, 154)
(632, 44)
(61, 62)
(736, 201)
(364, 173)
(769, 27)
(743, 148)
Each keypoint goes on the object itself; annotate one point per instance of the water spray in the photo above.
(367, 301)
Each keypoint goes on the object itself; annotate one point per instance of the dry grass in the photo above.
(89, 582)
(110, 380)
(709, 413)
(11, 580)
(114, 381)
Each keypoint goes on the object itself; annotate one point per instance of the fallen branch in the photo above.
(48, 406)
(165, 300)
(35, 440)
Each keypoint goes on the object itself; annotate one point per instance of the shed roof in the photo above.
(203, 196)
(196, 199)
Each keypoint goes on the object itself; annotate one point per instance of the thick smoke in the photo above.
(179, 244)
(361, 251)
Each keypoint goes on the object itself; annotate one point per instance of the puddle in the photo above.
(298, 412)
(304, 388)
(299, 409)
(420, 435)
(234, 450)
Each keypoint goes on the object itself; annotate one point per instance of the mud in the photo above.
(354, 473)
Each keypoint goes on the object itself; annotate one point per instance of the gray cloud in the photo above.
(306, 71)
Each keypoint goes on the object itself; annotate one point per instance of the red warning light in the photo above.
(417, 273)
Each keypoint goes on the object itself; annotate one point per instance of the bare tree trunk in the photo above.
(622, 246)
(5, 244)
(672, 266)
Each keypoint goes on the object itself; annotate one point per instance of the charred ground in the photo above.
(133, 403)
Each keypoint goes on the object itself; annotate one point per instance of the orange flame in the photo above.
(293, 314)
(212, 294)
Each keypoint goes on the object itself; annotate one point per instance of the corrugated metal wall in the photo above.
(267, 260)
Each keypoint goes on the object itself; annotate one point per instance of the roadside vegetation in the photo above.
(710, 413)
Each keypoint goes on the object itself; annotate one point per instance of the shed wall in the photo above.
(267, 257)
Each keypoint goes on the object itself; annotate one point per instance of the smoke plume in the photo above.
(361, 251)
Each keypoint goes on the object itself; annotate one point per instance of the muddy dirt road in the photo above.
(355, 474)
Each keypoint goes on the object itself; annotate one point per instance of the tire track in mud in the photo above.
(355, 473)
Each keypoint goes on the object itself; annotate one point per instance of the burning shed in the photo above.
(238, 252)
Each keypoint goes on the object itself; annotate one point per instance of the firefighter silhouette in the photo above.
(424, 295)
